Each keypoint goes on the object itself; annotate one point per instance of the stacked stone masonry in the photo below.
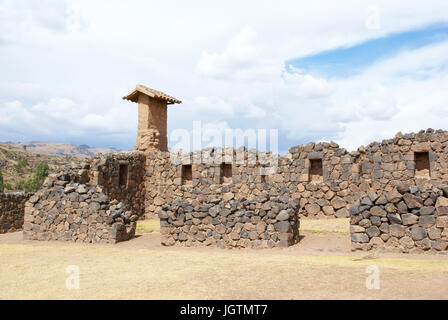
(121, 176)
(328, 196)
(324, 179)
(406, 219)
(12, 207)
(344, 177)
(95, 202)
(262, 222)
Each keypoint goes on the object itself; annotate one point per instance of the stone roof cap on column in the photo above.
(152, 93)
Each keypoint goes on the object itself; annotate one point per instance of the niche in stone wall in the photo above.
(187, 174)
(124, 171)
(316, 170)
(422, 166)
(226, 173)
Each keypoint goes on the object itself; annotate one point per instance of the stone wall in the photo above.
(97, 201)
(262, 222)
(393, 161)
(406, 219)
(329, 196)
(341, 177)
(165, 183)
(12, 205)
(329, 193)
(322, 178)
(106, 171)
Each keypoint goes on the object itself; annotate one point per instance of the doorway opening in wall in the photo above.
(422, 166)
(187, 174)
(316, 170)
(123, 181)
(226, 173)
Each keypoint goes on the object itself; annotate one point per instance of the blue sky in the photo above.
(348, 61)
(310, 73)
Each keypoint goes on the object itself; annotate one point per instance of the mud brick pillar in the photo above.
(152, 118)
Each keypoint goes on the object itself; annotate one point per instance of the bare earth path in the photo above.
(321, 266)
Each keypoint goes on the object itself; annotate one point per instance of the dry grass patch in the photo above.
(321, 226)
(38, 272)
(147, 226)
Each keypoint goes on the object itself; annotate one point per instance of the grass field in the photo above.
(28, 272)
(142, 269)
(321, 226)
(147, 226)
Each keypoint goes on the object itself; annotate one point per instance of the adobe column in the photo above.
(152, 117)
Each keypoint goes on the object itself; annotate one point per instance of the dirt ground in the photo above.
(321, 266)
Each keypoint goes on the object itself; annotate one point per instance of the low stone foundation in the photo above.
(68, 210)
(263, 222)
(406, 219)
(12, 206)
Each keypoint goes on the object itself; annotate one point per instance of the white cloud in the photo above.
(56, 108)
(306, 85)
(241, 59)
(228, 107)
(34, 18)
(66, 65)
(397, 98)
(61, 119)
(213, 105)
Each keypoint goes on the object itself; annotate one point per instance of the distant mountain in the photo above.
(18, 165)
(62, 149)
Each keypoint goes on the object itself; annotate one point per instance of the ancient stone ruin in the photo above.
(263, 222)
(92, 202)
(406, 219)
(12, 206)
(245, 198)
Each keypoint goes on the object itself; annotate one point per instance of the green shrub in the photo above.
(34, 184)
(19, 185)
(21, 164)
